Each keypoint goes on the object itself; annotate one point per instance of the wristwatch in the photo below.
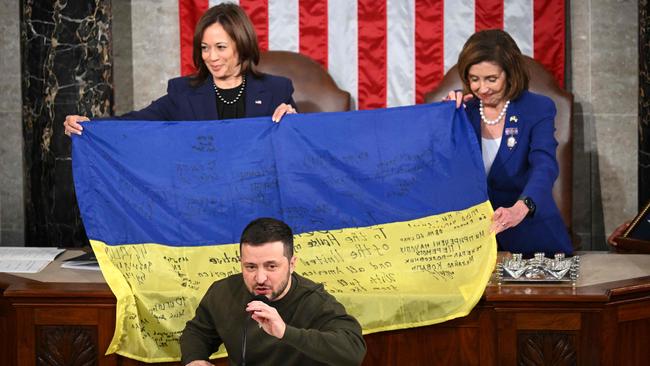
(530, 204)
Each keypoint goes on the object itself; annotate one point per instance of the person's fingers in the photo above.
(617, 232)
(455, 96)
(72, 124)
(500, 220)
(499, 226)
(281, 110)
(459, 98)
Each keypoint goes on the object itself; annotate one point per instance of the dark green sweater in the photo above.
(319, 331)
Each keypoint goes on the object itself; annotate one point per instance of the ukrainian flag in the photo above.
(389, 208)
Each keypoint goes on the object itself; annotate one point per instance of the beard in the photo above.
(281, 288)
(275, 293)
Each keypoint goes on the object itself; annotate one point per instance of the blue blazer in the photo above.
(529, 169)
(186, 103)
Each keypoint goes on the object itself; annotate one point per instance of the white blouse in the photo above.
(489, 148)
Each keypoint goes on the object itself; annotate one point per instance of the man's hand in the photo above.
(199, 363)
(618, 232)
(267, 317)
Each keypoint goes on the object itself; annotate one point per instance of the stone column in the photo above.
(644, 102)
(12, 230)
(67, 69)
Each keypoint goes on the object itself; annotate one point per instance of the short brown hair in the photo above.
(266, 230)
(495, 45)
(236, 23)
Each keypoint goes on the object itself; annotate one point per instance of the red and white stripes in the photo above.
(391, 52)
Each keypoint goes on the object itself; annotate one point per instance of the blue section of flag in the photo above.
(201, 182)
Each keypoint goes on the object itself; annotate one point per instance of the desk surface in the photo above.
(54, 273)
(595, 268)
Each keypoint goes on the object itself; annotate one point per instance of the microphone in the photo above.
(263, 299)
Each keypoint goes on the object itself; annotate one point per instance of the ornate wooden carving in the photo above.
(66, 346)
(542, 348)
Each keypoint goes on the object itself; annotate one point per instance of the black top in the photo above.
(235, 110)
(319, 331)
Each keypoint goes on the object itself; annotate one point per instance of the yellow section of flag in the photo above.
(389, 276)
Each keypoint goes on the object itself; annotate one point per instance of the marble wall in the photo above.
(604, 74)
(142, 71)
(644, 102)
(602, 66)
(156, 50)
(11, 144)
(67, 69)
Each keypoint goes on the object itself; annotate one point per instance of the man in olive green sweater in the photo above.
(297, 323)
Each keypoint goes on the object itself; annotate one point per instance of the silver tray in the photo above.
(539, 269)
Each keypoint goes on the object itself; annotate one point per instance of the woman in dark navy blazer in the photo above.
(227, 84)
(515, 130)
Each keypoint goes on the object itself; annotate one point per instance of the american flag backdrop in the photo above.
(391, 52)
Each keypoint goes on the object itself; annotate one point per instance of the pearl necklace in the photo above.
(241, 87)
(496, 120)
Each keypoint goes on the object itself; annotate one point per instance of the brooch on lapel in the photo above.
(511, 132)
(514, 119)
(258, 101)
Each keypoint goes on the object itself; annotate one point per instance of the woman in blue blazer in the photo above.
(515, 130)
(227, 84)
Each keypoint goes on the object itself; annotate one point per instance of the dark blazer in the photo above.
(186, 103)
(529, 169)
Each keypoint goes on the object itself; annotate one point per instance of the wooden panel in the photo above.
(590, 336)
(633, 342)
(488, 337)
(507, 339)
(634, 311)
(25, 337)
(66, 345)
(608, 335)
(546, 348)
(431, 345)
(66, 315)
(603, 324)
(105, 326)
(548, 321)
(7, 327)
(525, 337)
